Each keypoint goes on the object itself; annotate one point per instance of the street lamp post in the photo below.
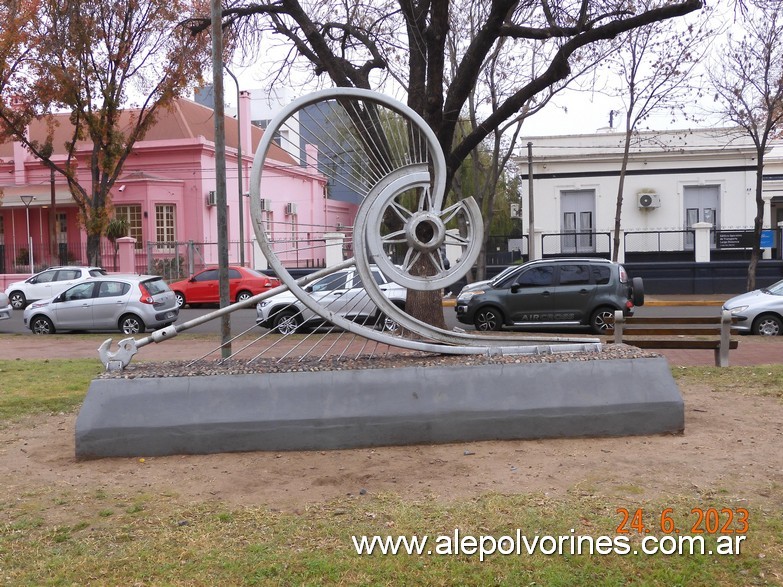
(27, 200)
(239, 171)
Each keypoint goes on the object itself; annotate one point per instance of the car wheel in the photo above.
(180, 298)
(131, 324)
(287, 322)
(41, 325)
(637, 291)
(487, 319)
(768, 325)
(17, 299)
(602, 320)
(243, 295)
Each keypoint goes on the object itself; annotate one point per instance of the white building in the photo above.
(674, 180)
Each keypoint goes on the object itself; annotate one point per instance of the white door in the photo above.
(702, 204)
(577, 221)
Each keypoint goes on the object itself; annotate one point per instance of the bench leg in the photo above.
(722, 356)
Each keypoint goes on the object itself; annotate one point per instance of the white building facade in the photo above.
(675, 182)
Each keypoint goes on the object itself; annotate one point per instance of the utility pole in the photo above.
(531, 241)
(220, 174)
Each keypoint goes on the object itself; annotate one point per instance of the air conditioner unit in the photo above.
(290, 209)
(211, 198)
(649, 200)
(265, 204)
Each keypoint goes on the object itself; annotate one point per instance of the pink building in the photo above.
(166, 193)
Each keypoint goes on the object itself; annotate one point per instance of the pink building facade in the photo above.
(166, 193)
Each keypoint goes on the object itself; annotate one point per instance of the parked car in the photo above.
(202, 288)
(48, 283)
(5, 307)
(759, 311)
(341, 292)
(551, 292)
(129, 303)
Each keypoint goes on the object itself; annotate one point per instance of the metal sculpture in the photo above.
(385, 154)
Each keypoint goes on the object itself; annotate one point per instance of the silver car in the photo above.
(759, 311)
(341, 293)
(129, 303)
(5, 307)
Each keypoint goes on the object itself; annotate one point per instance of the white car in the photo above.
(5, 307)
(340, 292)
(48, 283)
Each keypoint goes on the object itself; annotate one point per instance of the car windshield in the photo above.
(776, 289)
(503, 274)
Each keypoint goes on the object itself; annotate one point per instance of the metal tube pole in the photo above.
(239, 172)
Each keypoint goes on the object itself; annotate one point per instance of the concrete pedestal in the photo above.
(373, 407)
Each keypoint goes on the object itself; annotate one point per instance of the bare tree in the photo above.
(362, 44)
(748, 81)
(654, 69)
(93, 59)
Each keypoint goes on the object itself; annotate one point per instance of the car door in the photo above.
(40, 286)
(109, 303)
(573, 298)
(333, 292)
(64, 279)
(204, 288)
(73, 311)
(530, 297)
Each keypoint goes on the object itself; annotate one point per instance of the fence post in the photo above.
(702, 241)
(127, 254)
(535, 237)
(191, 258)
(150, 245)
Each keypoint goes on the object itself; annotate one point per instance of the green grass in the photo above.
(165, 543)
(765, 380)
(54, 385)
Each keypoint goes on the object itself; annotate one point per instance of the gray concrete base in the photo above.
(373, 407)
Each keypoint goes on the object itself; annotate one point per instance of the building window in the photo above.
(164, 223)
(131, 213)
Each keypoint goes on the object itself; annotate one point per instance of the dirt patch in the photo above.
(730, 449)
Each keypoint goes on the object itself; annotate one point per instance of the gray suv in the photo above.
(551, 292)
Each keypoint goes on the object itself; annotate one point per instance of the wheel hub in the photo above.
(425, 232)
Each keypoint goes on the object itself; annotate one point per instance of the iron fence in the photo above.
(589, 244)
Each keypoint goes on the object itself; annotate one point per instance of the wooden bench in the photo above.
(712, 332)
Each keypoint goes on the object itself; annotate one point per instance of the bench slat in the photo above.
(674, 320)
(646, 343)
(646, 331)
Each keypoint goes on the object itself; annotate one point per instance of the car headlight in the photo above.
(262, 303)
(737, 310)
(465, 297)
(39, 304)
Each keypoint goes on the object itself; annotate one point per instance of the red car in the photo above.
(202, 288)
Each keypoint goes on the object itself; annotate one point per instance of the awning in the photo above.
(12, 196)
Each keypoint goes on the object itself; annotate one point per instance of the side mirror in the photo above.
(58, 298)
(192, 280)
(309, 289)
(514, 288)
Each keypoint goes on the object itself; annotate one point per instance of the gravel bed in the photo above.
(381, 361)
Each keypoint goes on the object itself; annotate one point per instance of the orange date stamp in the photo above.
(701, 521)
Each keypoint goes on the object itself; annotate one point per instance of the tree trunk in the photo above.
(758, 222)
(94, 250)
(618, 210)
